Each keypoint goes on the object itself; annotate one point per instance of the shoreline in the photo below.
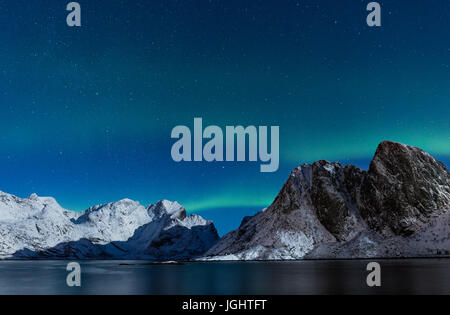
(182, 262)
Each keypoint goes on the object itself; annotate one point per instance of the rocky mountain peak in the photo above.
(33, 196)
(404, 187)
(326, 209)
(393, 157)
(164, 207)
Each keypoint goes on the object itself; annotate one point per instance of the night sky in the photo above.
(87, 113)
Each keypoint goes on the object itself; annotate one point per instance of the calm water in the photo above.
(428, 276)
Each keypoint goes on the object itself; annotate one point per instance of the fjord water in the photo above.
(412, 276)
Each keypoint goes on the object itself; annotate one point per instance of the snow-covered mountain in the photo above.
(38, 227)
(400, 207)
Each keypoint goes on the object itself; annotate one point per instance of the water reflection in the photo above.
(419, 276)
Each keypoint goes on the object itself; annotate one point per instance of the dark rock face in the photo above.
(332, 192)
(404, 187)
(324, 203)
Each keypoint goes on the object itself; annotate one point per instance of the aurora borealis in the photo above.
(86, 113)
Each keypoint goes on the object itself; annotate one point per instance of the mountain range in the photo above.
(400, 207)
(38, 228)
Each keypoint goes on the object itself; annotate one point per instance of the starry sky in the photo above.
(87, 113)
